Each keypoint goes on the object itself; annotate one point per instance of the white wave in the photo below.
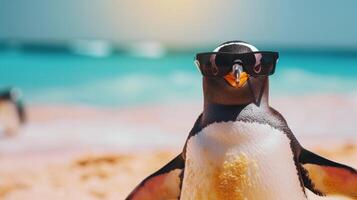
(126, 89)
(298, 81)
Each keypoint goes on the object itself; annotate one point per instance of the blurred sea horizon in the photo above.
(141, 76)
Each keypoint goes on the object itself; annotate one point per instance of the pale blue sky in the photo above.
(187, 23)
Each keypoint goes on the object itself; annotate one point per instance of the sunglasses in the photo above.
(261, 63)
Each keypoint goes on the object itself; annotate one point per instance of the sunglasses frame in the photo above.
(215, 69)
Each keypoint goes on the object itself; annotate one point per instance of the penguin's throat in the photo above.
(216, 112)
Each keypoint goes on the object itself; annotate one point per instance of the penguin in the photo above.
(12, 112)
(242, 148)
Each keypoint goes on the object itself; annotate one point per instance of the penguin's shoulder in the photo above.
(269, 116)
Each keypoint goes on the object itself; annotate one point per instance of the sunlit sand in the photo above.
(91, 153)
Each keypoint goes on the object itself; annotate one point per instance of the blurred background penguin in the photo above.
(12, 113)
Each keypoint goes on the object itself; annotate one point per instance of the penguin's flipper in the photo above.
(163, 184)
(325, 177)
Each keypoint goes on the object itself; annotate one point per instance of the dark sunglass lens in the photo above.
(248, 62)
(268, 63)
(259, 64)
(224, 62)
(208, 64)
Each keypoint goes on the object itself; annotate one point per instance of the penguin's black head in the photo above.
(235, 83)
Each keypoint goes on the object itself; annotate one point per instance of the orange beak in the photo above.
(232, 80)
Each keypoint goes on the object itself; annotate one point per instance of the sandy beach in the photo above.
(104, 175)
(81, 152)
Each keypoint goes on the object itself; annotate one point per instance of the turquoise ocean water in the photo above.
(123, 79)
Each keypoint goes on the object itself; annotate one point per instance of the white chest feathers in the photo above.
(240, 161)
